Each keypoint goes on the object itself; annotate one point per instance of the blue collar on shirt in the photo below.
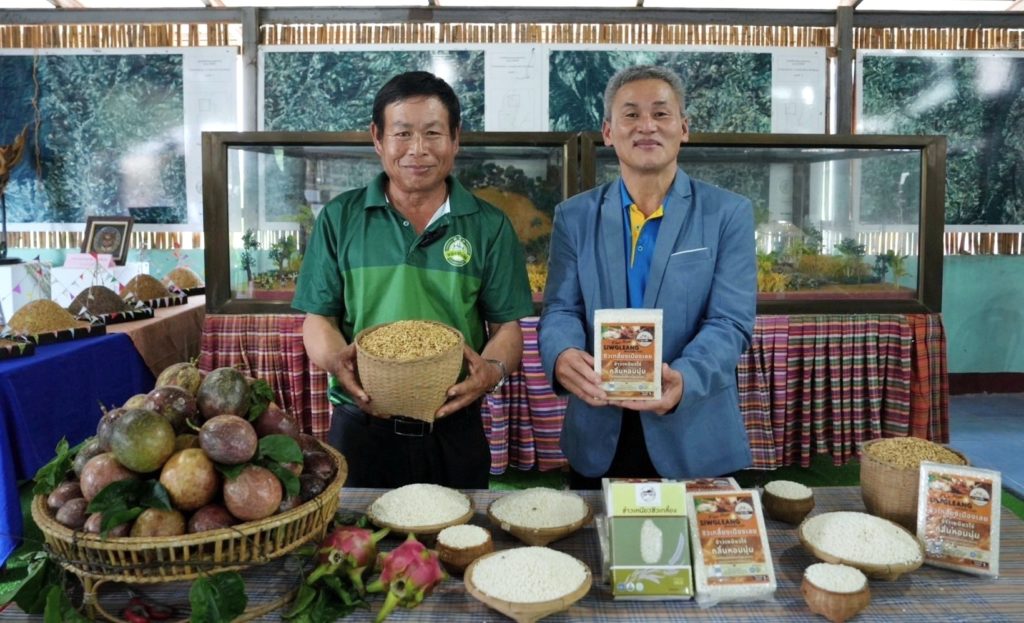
(638, 271)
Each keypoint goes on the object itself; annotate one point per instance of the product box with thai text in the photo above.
(648, 538)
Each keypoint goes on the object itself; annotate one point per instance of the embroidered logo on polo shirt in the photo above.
(457, 251)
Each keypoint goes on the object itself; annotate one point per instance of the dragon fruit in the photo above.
(349, 549)
(409, 573)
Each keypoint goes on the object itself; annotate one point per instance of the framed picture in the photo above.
(109, 235)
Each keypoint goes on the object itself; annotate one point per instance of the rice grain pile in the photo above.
(463, 536)
(909, 452)
(417, 505)
(183, 277)
(146, 288)
(98, 300)
(43, 316)
(861, 538)
(788, 489)
(652, 542)
(836, 578)
(405, 340)
(539, 507)
(529, 574)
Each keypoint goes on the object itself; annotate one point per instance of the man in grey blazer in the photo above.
(654, 238)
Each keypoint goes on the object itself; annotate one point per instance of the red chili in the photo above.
(159, 613)
(135, 614)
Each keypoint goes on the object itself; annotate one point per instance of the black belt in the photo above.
(406, 426)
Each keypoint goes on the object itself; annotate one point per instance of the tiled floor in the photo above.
(989, 429)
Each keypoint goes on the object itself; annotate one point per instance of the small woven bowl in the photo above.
(456, 559)
(836, 607)
(415, 388)
(787, 510)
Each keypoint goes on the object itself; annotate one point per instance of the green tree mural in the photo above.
(111, 134)
(977, 102)
(725, 91)
(334, 91)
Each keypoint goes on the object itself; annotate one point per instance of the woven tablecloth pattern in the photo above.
(809, 384)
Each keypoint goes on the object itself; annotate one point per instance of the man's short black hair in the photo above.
(417, 84)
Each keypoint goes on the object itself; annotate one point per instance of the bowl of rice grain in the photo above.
(539, 515)
(528, 583)
(422, 509)
(880, 548)
(407, 366)
(458, 546)
(836, 592)
(787, 501)
(890, 471)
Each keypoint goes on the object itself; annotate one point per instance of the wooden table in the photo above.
(928, 594)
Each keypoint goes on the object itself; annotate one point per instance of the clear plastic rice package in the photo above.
(958, 511)
(731, 558)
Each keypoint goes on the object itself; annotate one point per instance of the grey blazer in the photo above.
(704, 276)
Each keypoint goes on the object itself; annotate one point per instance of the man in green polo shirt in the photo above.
(414, 244)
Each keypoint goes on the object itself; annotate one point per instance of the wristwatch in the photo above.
(504, 373)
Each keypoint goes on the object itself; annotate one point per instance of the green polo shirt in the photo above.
(366, 265)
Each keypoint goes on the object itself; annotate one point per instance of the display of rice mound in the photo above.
(419, 505)
(43, 316)
(528, 574)
(145, 288)
(99, 300)
(859, 538)
(184, 278)
(539, 507)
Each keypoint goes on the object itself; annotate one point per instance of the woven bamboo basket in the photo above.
(138, 560)
(415, 388)
(890, 492)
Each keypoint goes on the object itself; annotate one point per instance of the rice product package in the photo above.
(711, 484)
(731, 557)
(958, 517)
(648, 539)
(627, 352)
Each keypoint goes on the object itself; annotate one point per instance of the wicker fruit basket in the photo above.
(890, 492)
(413, 388)
(139, 560)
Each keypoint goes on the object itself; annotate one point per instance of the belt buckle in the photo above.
(425, 428)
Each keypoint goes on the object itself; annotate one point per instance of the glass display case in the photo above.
(844, 224)
(262, 190)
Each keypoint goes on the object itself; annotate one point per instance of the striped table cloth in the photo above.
(927, 594)
(809, 384)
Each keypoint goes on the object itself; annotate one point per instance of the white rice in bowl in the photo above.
(462, 536)
(835, 578)
(788, 489)
(539, 507)
(528, 574)
(419, 505)
(859, 538)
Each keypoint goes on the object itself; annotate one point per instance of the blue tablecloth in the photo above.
(52, 394)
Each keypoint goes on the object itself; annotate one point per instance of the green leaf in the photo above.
(280, 448)
(217, 598)
(289, 480)
(260, 396)
(156, 496)
(21, 571)
(52, 474)
(124, 500)
(59, 609)
(303, 600)
(230, 471)
(114, 519)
